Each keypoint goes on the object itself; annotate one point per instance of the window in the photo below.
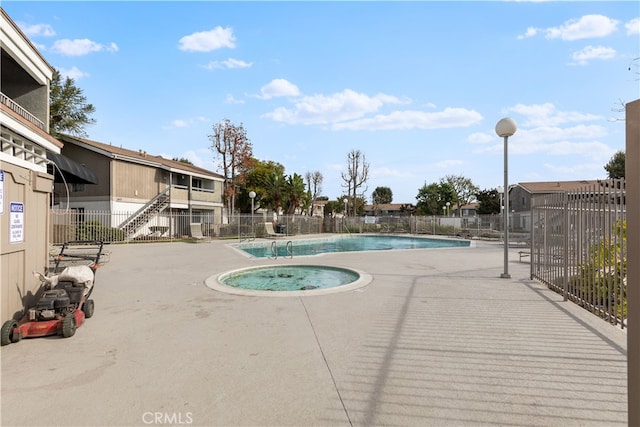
(196, 183)
(76, 188)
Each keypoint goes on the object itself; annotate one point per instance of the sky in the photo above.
(416, 86)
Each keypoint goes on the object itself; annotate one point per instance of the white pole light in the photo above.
(506, 128)
(252, 195)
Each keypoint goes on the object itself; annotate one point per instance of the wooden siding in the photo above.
(134, 181)
(18, 260)
(98, 164)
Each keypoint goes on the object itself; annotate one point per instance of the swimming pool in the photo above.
(350, 243)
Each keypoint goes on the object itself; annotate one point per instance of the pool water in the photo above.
(348, 244)
(289, 278)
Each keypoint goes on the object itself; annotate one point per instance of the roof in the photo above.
(32, 127)
(15, 27)
(388, 206)
(139, 156)
(556, 186)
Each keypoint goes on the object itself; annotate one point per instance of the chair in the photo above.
(196, 231)
(270, 231)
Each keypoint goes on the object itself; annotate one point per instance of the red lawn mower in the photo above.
(65, 304)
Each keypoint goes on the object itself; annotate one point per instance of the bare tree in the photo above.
(235, 153)
(635, 63)
(356, 175)
(314, 185)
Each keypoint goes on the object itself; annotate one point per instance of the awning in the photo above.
(73, 172)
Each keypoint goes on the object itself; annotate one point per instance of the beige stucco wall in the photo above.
(19, 260)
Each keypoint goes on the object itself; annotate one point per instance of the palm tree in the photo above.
(296, 192)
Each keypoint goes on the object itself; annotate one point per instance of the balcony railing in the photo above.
(4, 99)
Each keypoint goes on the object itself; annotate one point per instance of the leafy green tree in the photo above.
(382, 195)
(615, 167)
(433, 197)
(463, 188)
(295, 193)
(333, 207)
(275, 190)
(183, 160)
(489, 202)
(69, 111)
(255, 179)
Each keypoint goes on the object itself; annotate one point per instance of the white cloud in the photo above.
(185, 123)
(447, 164)
(412, 119)
(229, 99)
(531, 32)
(179, 123)
(480, 138)
(201, 158)
(547, 115)
(588, 53)
(325, 109)
(633, 27)
(384, 172)
(79, 47)
(73, 73)
(227, 64)
(548, 131)
(537, 144)
(277, 88)
(206, 41)
(578, 170)
(35, 30)
(586, 27)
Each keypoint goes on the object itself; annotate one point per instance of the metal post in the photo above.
(632, 176)
(505, 213)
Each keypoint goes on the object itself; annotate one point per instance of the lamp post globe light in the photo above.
(252, 196)
(506, 128)
(448, 204)
(346, 201)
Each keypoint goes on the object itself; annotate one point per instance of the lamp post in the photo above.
(506, 128)
(344, 223)
(448, 204)
(252, 196)
(500, 190)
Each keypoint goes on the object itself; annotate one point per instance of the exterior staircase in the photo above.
(138, 220)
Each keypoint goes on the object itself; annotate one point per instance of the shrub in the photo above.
(94, 230)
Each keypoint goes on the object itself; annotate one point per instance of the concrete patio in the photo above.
(437, 339)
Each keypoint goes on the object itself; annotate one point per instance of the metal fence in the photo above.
(170, 225)
(579, 247)
(67, 225)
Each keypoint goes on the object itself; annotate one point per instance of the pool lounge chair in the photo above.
(270, 231)
(196, 232)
